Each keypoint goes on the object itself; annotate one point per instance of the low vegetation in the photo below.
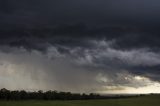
(149, 100)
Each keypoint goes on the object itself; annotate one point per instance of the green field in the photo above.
(152, 100)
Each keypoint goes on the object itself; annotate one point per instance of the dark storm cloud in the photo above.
(78, 35)
(131, 22)
(38, 12)
(109, 41)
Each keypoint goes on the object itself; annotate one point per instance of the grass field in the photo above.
(152, 100)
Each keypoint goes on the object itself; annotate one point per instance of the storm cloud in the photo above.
(80, 46)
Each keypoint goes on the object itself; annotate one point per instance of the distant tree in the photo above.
(4, 93)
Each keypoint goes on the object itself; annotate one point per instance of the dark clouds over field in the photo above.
(80, 46)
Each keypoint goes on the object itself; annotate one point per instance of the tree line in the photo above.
(53, 95)
(40, 95)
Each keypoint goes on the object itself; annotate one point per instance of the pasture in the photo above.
(150, 100)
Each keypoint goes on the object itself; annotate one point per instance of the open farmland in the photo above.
(151, 100)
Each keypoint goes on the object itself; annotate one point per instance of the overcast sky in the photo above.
(102, 46)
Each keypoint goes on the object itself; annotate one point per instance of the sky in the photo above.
(83, 46)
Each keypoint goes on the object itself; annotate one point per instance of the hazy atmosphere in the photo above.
(99, 46)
